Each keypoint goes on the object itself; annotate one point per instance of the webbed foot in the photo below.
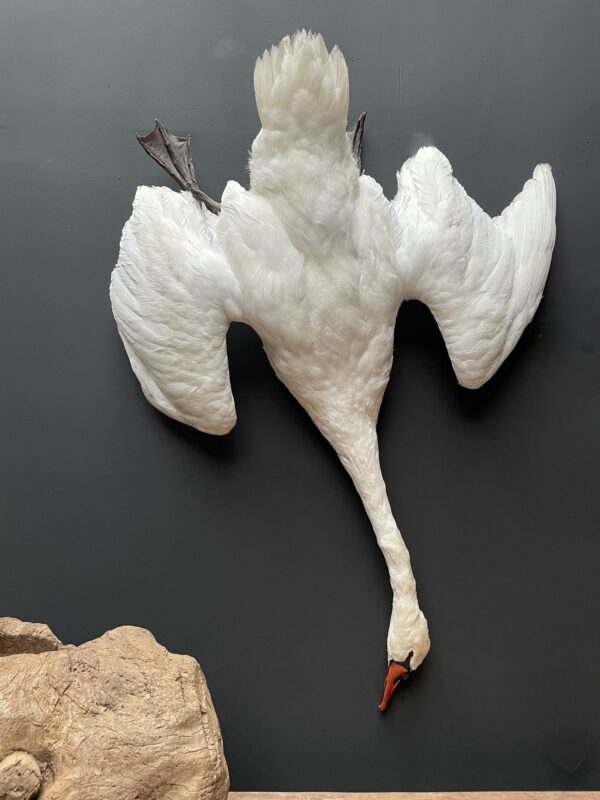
(356, 137)
(174, 155)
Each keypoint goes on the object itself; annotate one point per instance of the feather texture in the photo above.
(317, 261)
(301, 88)
(172, 295)
(481, 277)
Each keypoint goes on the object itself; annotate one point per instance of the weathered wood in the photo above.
(117, 718)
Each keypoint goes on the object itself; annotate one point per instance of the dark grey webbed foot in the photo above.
(356, 138)
(174, 155)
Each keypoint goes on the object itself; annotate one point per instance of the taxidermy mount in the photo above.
(317, 260)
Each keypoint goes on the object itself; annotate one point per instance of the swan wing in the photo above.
(173, 295)
(481, 277)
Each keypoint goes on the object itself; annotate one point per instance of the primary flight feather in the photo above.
(317, 260)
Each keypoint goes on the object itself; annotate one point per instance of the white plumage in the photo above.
(317, 261)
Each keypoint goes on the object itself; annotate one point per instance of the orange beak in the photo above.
(396, 673)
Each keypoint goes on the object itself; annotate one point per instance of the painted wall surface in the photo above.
(252, 552)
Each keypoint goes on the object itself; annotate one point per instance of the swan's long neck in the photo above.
(359, 453)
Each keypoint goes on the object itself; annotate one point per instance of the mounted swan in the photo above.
(318, 261)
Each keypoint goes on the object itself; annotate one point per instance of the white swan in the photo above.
(318, 261)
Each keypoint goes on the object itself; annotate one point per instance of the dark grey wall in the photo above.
(252, 552)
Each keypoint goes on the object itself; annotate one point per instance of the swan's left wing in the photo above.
(173, 295)
(481, 277)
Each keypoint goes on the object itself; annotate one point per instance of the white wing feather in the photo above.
(173, 295)
(481, 277)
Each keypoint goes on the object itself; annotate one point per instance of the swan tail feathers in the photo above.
(301, 88)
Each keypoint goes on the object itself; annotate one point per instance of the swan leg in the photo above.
(174, 155)
(356, 139)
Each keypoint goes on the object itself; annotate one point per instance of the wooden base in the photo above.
(414, 796)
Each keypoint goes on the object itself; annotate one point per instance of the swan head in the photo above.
(408, 644)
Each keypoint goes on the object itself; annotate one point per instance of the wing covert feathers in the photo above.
(170, 293)
(482, 278)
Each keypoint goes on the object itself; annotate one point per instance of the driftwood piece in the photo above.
(118, 717)
(25, 637)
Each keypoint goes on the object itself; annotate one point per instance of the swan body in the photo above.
(317, 260)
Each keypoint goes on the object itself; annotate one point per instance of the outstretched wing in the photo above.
(173, 295)
(481, 277)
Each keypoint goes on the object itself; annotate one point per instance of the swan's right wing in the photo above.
(481, 277)
(173, 295)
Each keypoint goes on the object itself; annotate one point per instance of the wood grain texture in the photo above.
(118, 717)
(414, 795)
